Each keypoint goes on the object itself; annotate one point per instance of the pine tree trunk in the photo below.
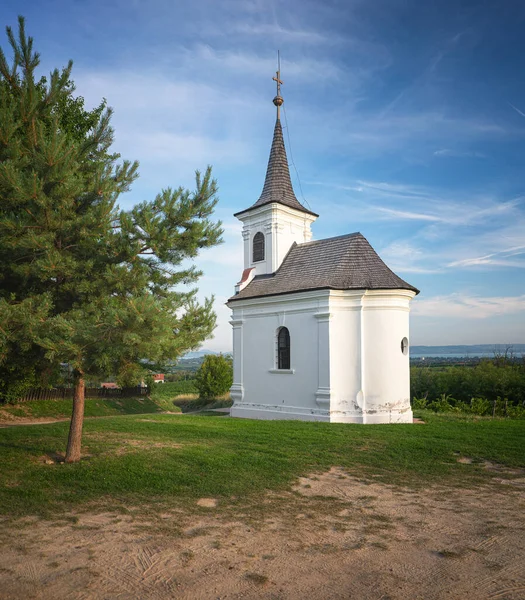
(74, 441)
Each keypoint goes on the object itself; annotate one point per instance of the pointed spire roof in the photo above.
(278, 184)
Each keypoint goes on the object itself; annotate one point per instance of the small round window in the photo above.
(404, 345)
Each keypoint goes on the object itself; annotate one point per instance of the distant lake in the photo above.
(468, 351)
(448, 355)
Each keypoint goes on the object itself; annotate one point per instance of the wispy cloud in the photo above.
(417, 203)
(193, 124)
(443, 231)
(459, 214)
(403, 257)
(192, 149)
(195, 103)
(261, 65)
(398, 190)
(406, 215)
(459, 153)
(500, 258)
(501, 245)
(412, 133)
(517, 110)
(275, 30)
(448, 46)
(351, 188)
(463, 306)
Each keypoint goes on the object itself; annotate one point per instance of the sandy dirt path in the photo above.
(332, 536)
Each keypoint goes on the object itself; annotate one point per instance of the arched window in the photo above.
(283, 348)
(258, 247)
(404, 346)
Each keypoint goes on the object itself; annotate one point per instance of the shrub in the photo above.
(215, 376)
(484, 380)
(471, 390)
(516, 412)
(480, 406)
(463, 407)
(443, 404)
(16, 381)
(419, 403)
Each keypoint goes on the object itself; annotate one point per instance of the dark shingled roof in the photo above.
(347, 262)
(278, 185)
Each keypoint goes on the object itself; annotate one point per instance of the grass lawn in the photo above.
(95, 407)
(157, 460)
(183, 396)
(172, 389)
(193, 403)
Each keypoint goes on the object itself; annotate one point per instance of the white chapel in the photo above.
(320, 328)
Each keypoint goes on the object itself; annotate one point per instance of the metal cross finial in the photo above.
(278, 80)
(278, 100)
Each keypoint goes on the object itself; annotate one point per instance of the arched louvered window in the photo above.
(283, 348)
(258, 247)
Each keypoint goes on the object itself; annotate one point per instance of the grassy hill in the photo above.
(95, 407)
(173, 397)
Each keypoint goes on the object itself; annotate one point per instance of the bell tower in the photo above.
(277, 219)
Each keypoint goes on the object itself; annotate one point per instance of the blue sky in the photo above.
(405, 120)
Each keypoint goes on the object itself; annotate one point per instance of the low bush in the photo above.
(215, 376)
(500, 407)
(480, 406)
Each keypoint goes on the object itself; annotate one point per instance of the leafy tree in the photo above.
(215, 376)
(82, 281)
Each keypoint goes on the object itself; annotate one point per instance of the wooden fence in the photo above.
(67, 393)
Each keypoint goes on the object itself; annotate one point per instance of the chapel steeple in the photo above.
(278, 184)
(277, 220)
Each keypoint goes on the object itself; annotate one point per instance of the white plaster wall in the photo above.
(346, 358)
(387, 370)
(268, 393)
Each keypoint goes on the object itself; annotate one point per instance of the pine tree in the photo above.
(83, 282)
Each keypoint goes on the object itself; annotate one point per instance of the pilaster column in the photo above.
(237, 388)
(322, 395)
(361, 394)
(246, 238)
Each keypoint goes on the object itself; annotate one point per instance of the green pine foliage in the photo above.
(215, 376)
(82, 281)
